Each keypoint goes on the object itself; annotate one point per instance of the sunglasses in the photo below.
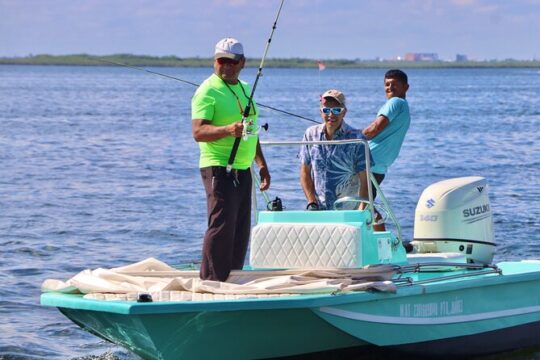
(223, 61)
(334, 110)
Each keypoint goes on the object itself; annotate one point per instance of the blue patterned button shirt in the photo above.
(334, 168)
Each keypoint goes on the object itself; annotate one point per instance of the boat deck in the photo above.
(412, 282)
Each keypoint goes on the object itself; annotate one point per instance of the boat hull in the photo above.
(423, 318)
(463, 312)
(216, 334)
(516, 337)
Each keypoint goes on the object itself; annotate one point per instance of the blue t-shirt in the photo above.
(386, 145)
(334, 168)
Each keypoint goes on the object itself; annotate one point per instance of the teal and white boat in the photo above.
(348, 286)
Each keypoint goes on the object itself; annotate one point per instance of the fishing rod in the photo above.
(247, 109)
(197, 85)
(148, 71)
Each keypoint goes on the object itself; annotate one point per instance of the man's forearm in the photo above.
(263, 168)
(307, 184)
(204, 131)
(259, 157)
(375, 127)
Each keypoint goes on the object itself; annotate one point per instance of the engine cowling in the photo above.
(454, 215)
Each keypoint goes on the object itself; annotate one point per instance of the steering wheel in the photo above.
(354, 203)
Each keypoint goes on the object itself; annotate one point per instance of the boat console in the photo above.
(321, 239)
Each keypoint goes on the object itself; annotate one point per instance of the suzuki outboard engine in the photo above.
(454, 215)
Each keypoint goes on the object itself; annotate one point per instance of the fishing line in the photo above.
(148, 71)
(247, 109)
(197, 85)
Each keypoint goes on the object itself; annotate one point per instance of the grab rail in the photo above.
(336, 142)
(407, 281)
(387, 207)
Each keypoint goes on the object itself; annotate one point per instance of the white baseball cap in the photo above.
(229, 48)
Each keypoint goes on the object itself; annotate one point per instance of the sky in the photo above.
(316, 29)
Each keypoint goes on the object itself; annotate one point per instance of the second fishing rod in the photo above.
(108, 61)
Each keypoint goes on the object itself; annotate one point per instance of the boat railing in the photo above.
(386, 206)
(482, 269)
(371, 178)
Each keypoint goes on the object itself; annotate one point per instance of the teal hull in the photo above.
(490, 306)
(213, 334)
(440, 316)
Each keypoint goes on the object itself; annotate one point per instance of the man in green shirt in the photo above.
(216, 111)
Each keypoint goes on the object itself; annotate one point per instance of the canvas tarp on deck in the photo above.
(166, 283)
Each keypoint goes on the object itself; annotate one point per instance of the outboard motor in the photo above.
(454, 215)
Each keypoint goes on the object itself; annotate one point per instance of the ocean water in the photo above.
(98, 169)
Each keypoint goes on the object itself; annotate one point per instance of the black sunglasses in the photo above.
(223, 61)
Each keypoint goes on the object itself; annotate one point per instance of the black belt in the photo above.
(221, 170)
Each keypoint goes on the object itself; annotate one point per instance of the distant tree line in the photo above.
(174, 61)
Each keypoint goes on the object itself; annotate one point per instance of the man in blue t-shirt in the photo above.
(387, 132)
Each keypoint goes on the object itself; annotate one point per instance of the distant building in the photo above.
(461, 58)
(421, 57)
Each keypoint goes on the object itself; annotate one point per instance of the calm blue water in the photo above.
(98, 168)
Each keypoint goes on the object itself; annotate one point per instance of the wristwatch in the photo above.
(312, 206)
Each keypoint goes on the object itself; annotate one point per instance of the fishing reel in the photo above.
(252, 130)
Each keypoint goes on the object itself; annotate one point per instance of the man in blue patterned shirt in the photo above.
(329, 172)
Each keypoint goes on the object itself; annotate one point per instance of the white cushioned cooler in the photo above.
(305, 245)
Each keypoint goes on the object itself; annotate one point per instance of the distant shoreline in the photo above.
(173, 61)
